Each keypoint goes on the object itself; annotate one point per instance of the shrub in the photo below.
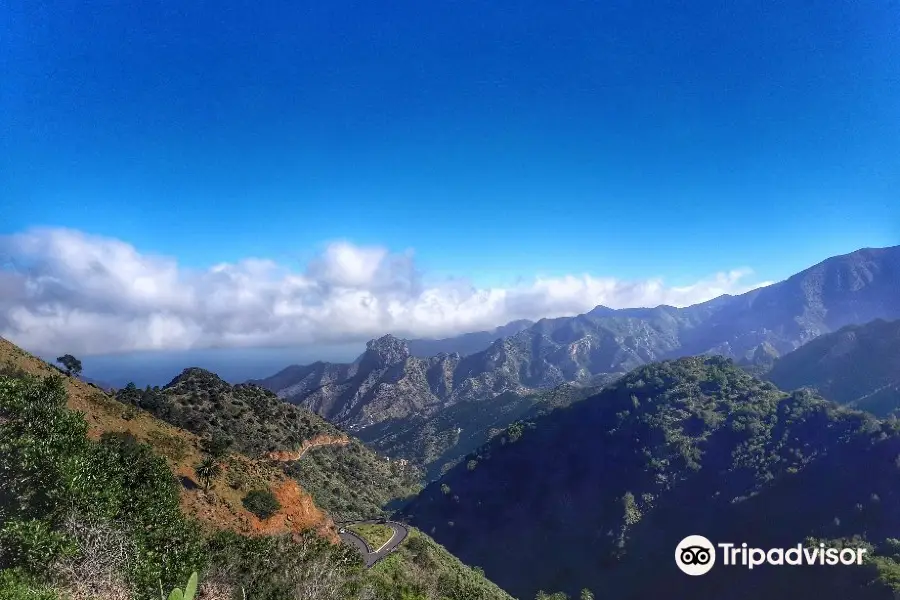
(31, 545)
(41, 448)
(71, 364)
(129, 412)
(17, 585)
(515, 431)
(50, 470)
(105, 555)
(207, 470)
(275, 568)
(217, 446)
(262, 503)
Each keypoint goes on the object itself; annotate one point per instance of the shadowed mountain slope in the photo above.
(858, 365)
(598, 494)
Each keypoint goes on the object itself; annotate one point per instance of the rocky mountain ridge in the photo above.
(389, 383)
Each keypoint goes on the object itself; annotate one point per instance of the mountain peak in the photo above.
(601, 310)
(388, 350)
(195, 374)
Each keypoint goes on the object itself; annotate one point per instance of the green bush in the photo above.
(50, 470)
(41, 449)
(31, 544)
(17, 585)
(262, 503)
(279, 567)
(217, 446)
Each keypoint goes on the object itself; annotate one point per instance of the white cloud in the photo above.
(66, 291)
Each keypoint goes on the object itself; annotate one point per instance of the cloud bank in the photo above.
(67, 291)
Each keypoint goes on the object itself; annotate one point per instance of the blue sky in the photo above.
(500, 141)
(495, 138)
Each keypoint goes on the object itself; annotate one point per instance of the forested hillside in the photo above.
(343, 476)
(597, 495)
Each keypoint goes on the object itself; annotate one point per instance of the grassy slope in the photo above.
(221, 508)
(422, 568)
(375, 535)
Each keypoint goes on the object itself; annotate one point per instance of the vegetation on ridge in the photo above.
(441, 441)
(348, 480)
(100, 518)
(612, 484)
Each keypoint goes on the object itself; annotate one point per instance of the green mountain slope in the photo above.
(82, 517)
(422, 568)
(347, 479)
(442, 440)
(598, 494)
(858, 366)
(394, 392)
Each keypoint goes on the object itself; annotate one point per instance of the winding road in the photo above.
(370, 555)
(373, 555)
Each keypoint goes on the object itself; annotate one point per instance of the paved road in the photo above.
(373, 555)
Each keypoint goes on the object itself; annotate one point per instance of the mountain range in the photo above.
(467, 343)
(389, 389)
(849, 289)
(568, 454)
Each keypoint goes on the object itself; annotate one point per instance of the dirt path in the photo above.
(316, 442)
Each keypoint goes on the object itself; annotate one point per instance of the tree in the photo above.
(71, 364)
(217, 446)
(262, 503)
(632, 512)
(586, 594)
(515, 431)
(207, 470)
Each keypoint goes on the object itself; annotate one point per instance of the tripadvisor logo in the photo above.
(696, 555)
